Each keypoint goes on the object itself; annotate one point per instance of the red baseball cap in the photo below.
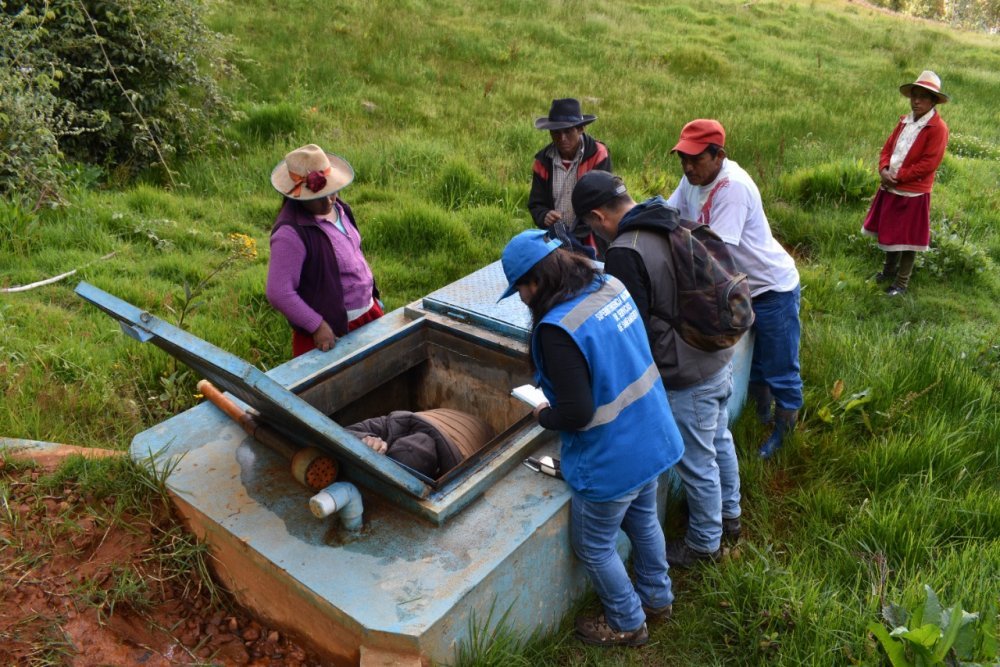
(698, 134)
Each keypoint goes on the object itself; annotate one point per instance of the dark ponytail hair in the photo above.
(560, 275)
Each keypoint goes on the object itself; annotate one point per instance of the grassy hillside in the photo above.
(433, 102)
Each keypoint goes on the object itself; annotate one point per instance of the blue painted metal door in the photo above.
(278, 407)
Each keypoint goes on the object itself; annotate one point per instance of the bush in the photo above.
(954, 253)
(31, 116)
(460, 185)
(266, 122)
(416, 230)
(117, 84)
(967, 145)
(18, 230)
(831, 183)
(928, 634)
(971, 14)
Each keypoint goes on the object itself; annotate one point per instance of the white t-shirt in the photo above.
(732, 207)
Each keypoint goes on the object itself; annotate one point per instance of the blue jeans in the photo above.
(776, 347)
(708, 469)
(594, 536)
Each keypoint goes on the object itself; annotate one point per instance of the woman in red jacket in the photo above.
(900, 214)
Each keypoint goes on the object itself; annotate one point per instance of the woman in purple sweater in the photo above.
(318, 277)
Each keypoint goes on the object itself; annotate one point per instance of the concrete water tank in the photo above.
(435, 559)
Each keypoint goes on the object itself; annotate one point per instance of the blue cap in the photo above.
(523, 252)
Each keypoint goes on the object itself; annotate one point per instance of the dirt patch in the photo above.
(84, 583)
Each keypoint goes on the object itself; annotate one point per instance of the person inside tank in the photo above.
(431, 442)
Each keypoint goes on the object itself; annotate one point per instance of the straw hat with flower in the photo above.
(310, 172)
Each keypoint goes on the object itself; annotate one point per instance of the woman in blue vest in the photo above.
(605, 396)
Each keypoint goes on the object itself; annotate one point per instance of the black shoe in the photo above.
(657, 614)
(731, 529)
(595, 630)
(882, 277)
(681, 556)
(892, 290)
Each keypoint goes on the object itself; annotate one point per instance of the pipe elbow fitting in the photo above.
(342, 498)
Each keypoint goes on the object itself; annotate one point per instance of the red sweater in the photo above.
(916, 174)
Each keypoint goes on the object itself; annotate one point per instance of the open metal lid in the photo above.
(473, 299)
(278, 407)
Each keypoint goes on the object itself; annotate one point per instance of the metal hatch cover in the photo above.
(279, 407)
(473, 299)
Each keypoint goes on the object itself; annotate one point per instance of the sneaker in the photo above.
(657, 614)
(731, 530)
(682, 556)
(595, 630)
(892, 290)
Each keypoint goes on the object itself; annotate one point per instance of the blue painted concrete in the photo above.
(19, 444)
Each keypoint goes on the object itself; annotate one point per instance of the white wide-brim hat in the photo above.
(310, 173)
(930, 82)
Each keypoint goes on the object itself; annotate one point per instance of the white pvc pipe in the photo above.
(342, 498)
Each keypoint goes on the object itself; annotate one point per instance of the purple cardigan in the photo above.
(319, 295)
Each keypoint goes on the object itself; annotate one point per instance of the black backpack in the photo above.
(713, 297)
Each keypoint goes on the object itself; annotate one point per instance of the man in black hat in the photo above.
(557, 168)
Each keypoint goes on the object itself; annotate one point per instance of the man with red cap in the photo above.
(718, 192)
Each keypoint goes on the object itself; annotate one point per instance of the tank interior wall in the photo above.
(428, 369)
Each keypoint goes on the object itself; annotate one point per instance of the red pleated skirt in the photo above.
(899, 223)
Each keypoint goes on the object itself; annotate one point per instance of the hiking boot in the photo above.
(595, 630)
(731, 529)
(784, 424)
(682, 556)
(892, 290)
(657, 614)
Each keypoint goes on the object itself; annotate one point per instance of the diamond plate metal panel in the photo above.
(473, 299)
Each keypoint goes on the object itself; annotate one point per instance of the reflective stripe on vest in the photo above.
(607, 413)
(602, 303)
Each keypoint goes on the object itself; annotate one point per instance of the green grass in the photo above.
(432, 102)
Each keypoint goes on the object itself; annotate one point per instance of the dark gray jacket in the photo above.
(412, 441)
(640, 257)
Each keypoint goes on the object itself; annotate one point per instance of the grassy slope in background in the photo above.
(433, 102)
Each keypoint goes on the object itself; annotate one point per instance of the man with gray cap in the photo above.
(698, 383)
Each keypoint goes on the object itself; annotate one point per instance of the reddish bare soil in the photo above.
(83, 584)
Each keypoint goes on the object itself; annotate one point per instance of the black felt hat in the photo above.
(562, 114)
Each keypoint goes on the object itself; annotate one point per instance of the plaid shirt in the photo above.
(563, 182)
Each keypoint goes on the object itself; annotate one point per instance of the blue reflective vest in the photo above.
(632, 437)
